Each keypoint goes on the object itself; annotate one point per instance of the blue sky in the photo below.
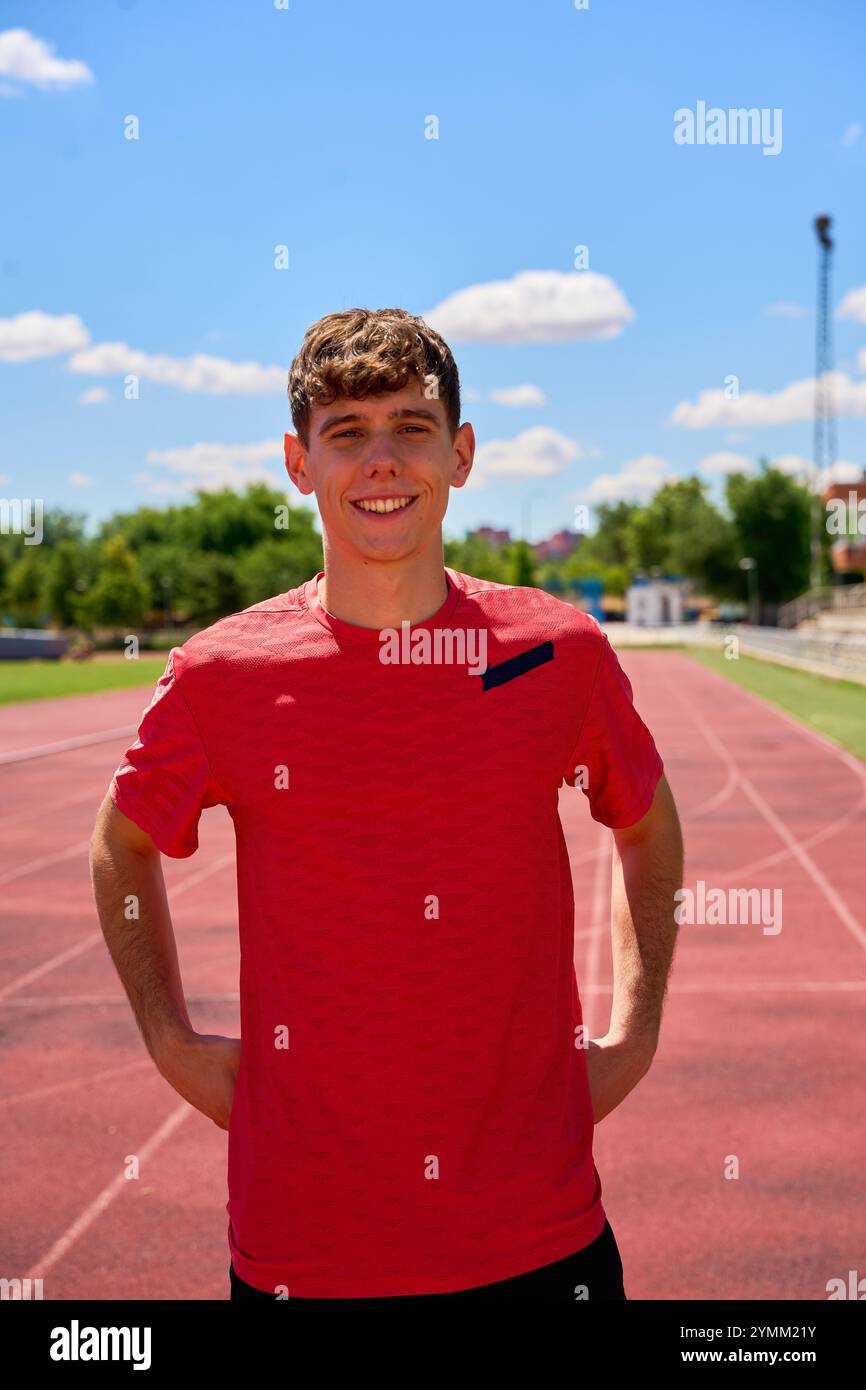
(307, 127)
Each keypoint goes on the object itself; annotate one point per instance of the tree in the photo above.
(278, 564)
(609, 541)
(205, 586)
(771, 518)
(120, 596)
(58, 526)
(24, 585)
(475, 555)
(683, 533)
(521, 566)
(66, 581)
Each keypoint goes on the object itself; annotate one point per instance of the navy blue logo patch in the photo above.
(516, 665)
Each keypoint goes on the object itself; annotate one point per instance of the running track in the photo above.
(762, 1053)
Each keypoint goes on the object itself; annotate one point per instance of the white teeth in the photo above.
(389, 505)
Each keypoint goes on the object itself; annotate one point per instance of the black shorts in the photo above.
(592, 1273)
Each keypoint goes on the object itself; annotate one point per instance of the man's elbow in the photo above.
(114, 833)
(660, 824)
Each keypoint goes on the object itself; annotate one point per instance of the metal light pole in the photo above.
(751, 568)
(824, 444)
(526, 511)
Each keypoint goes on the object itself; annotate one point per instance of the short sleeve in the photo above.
(164, 780)
(615, 761)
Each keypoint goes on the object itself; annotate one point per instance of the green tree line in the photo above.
(681, 531)
(222, 551)
(159, 567)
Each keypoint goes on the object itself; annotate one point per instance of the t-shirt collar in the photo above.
(354, 633)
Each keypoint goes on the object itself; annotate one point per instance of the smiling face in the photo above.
(381, 469)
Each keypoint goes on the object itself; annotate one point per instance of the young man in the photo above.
(411, 1111)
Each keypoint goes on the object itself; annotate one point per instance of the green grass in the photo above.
(834, 708)
(45, 680)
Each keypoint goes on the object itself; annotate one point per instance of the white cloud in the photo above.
(539, 452)
(94, 395)
(852, 133)
(861, 360)
(215, 375)
(518, 395)
(722, 463)
(792, 403)
(212, 466)
(27, 58)
(853, 306)
(796, 466)
(637, 481)
(35, 334)
(79, 479)
(534, 306)
(786, 310)
(793, 464)
(842, 471)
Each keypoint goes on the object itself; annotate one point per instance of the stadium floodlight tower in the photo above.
(824, 444)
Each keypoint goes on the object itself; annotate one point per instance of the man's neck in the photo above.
(376, 595)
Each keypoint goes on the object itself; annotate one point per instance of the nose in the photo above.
(382, 460)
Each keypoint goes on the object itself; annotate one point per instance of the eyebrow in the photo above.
(417, 411)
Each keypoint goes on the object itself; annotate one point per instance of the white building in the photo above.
(649, 602)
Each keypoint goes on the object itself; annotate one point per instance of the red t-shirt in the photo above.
(412, 1112)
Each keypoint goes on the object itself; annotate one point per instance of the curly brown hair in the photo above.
(361, 352)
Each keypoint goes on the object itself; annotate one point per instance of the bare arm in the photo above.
(126, 870)
(646, 872)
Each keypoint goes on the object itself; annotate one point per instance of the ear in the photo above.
(296, 463)
(464, 454)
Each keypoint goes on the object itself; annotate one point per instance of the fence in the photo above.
(837, 654)
(841, 596)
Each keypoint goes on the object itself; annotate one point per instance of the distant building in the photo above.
(497, 540)
(557, 547)
(649, 602)
(848, 551)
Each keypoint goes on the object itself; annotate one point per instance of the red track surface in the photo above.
(762, 1053)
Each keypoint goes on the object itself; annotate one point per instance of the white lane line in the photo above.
(95, 937)
(834, 898)
(794, 846)
(34, 865)
(853, 764)
(42, 1091)
(817, 838)
(42, 1001)
(81, 1225)
(69, 954)
(44, 750)
(754, 986)
(714, 802)
(49, 808)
